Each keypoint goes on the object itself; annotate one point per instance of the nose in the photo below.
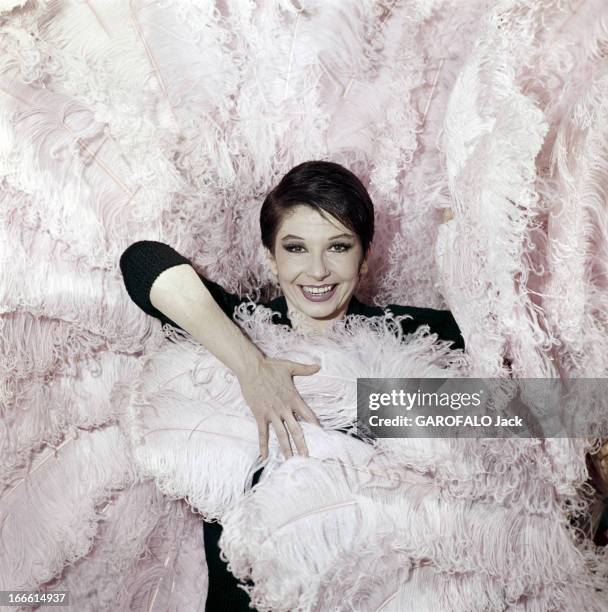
(318, 268)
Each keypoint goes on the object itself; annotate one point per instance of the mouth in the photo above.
(318, 293)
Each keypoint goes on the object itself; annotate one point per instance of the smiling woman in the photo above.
(317, 225)
(318, 270)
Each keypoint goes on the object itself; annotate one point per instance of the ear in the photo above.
(364, 268)
(271, 261)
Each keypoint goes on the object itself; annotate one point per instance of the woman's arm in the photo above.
(178, 295)
(144, 260)
(181, 296)
(266, 384)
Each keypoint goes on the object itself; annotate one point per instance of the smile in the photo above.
(318, 293)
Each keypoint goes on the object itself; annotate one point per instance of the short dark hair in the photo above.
(327, 187)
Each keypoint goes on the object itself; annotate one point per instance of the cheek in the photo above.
(350, 268)
(286, 267)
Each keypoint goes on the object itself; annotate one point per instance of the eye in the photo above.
(294, 248)
(337, 247)
(341, 247)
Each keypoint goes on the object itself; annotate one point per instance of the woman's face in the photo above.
(318, 262)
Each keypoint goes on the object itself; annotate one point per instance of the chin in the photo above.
(320, 313)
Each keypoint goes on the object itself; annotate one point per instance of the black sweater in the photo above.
(143, 261)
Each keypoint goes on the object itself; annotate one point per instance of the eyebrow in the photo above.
(292, 237)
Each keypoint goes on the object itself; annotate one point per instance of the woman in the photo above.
(317, 226)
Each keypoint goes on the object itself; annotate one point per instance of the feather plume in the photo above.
(48, 515)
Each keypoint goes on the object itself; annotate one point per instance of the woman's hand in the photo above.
(273, 398)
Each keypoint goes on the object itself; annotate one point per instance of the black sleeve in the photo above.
(143, 261)
(440, 322)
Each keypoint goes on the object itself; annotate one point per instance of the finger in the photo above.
(282, 436)
(263, 438)
(305, 412)
(296, 433)
(303, 369)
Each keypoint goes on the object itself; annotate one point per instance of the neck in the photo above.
(304, 323)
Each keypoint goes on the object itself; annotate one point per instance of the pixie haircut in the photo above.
(328, 188)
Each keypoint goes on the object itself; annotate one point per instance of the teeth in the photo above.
(318, 290)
